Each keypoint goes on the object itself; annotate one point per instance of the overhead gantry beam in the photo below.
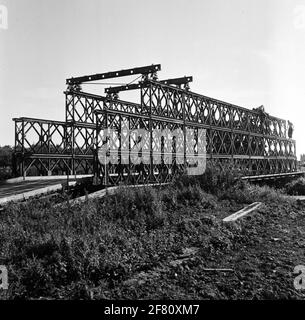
(175, 81)
(114, 74)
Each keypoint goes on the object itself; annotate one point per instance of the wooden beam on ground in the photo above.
(300, 198)
(217, 269)
(242, 212)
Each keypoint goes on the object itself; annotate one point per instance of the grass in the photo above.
(89, 251)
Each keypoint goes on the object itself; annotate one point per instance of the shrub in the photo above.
(169, 198)
(35, 279)
(5, 173)
(6, 156)
(216, 179)
(296, 187)
(6, 162)
(244, 192)
(141, 205)
(193, 195)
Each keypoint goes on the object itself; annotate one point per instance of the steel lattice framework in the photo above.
(256, 143)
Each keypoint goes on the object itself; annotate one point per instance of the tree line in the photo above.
(6, 153)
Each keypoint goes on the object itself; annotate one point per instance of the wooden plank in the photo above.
(242, 212)
(300, 198)
(217, 269)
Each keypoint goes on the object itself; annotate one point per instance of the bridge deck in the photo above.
(12, 189)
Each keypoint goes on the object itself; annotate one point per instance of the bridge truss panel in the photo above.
(45, 147)
(255, 142)
(159, 158)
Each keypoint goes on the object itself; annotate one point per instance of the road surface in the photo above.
(12, 189)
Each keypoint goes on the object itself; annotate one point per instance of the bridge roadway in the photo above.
(11, 189)
(16, 189)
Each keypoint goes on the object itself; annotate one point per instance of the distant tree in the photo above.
(302, 158)
(6, 153)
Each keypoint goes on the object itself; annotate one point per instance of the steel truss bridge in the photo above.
(254, 142)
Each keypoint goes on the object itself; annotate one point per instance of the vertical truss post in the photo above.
(183, 97)
(73, 136)
(106, 171)
(151, 169)
(120, 148)
(130, 167)
(15, 160)
(66, 147)
(23, 173)
(68, 135)
(96, 165)
(49, 149)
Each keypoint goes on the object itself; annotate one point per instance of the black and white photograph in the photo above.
(153, 152)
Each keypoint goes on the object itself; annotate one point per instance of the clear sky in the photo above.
(247, 52)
